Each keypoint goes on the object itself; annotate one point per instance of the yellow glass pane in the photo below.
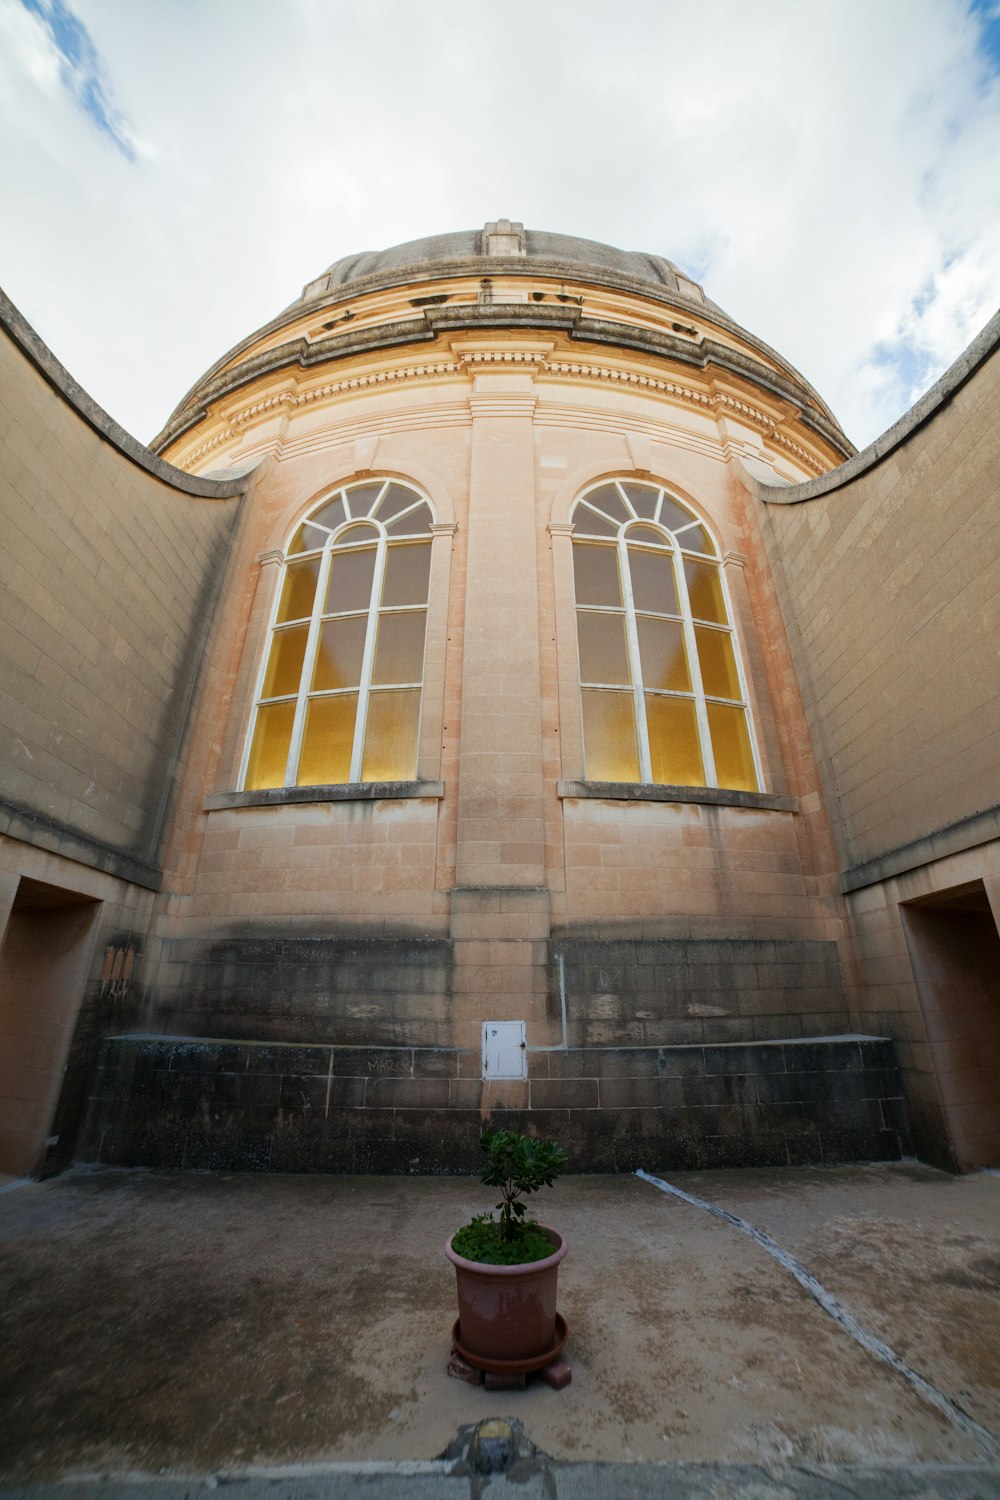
(696, 539)
(596, 571)
(328, 740)
(674, 515)
(350, 581)
(299, 542)
(338, 657)
(649, 535)
(612, 753)
(608, 499)
(399, 649)
(407, 572)
(643, 498)
(331, 515)
(299, 590)
(731, 742)
(603, 651)
(357, 533)
(705, 591)
(589, 523)
(718, 664)
(284, 665)
(269, 752)
(674, 749)
(653, 584)
(391, 736)
(416, 522)
(363, 496)
(397, 497)
(662, 654)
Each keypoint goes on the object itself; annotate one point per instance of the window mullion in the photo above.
(368, 660)
(691, 641)
(372, 510)
(635, 665)
(633, 513)
(308, 666)
(741, 677)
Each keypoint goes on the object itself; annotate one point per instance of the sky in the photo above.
(174, 171)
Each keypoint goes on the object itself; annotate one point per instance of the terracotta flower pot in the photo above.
(508, 1313)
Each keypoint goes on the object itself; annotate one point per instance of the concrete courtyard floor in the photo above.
(209, 1323)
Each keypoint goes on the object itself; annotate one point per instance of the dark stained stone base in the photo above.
(266, 1107)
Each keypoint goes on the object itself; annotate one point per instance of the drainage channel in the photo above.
(987, 1440)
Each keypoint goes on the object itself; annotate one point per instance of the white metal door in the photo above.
(504, 1050)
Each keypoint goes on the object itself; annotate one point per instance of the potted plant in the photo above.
(507, 1267)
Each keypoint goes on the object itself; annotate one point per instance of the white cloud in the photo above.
(827, 169)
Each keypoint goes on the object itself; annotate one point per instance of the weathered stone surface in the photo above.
(248, 1107)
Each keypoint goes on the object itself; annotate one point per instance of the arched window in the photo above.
(664, 697)
(339, 696)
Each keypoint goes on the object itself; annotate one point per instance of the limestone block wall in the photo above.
(497, 884)
(682, 865)
(889, 585)
(352, 990)
(110, 576)
(241, 1107)
(888, 582)
(110, 568)
(626, 992)
(499, 845)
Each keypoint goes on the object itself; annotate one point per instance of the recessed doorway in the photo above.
(44, 958)
(955, 952)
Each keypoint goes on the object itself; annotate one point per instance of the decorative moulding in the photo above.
(640, 451)
(527, 355)
(530, 359)
(364, 453)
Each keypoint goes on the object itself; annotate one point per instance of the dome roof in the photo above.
(501, 250)
(507, 248)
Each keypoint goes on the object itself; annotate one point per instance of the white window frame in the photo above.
(638, 690)
(364, 690)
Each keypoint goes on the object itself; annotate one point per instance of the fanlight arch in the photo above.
(663, 690)
(338, 699)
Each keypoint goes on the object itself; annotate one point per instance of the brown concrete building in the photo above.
(501, 690)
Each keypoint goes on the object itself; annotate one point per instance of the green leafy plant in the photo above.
(518, 1166)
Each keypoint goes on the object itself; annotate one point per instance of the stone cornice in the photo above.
(533, 360)
(701, 356)
(542, 268)
(24, 337)
(983, 347)
(526, 357)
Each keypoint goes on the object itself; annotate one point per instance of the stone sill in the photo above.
(355, 791)
(638, 791)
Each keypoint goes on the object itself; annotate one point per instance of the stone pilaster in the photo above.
(500, 906)
(501, 834)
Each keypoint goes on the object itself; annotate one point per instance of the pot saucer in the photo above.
(513, 1366)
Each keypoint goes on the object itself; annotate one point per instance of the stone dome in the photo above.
(507, 247)
(445, 284)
